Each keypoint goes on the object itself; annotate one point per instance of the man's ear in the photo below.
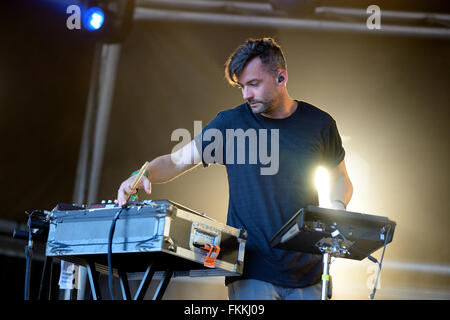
(282, 77)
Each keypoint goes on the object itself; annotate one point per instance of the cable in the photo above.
(141, 172)
(110, 239)
(372, 295)
(28, 255)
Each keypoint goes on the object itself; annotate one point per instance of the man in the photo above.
(300, 137)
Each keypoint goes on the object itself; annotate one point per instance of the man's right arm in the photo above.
(162, 169)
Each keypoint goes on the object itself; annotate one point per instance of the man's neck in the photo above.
(285, 108)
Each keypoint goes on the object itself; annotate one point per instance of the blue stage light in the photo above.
(93, 19)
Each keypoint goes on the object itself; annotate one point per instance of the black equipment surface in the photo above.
(312, 227)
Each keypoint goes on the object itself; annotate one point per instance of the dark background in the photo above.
(389, 95)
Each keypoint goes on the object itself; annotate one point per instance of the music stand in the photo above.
(334, 233)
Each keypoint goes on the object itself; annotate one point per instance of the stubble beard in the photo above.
(263, 106)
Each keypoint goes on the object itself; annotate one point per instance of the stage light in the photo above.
(108, 21)
(322, 183)
(93, 19)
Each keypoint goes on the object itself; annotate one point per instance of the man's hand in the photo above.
(338, 205)
(126, 189)
(161, 169)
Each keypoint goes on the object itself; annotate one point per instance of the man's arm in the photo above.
(162, 169)
(341, 188)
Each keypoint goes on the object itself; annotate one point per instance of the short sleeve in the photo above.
(209, 142)
(333, 151)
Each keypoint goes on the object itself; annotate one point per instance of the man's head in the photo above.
(259, 68)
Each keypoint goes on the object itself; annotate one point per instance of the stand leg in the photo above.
(149, 273)
(28, 255)
(93, 281)
(163, 285)
(55, 271)
(325, 275)
(124, 286)
(44, 288)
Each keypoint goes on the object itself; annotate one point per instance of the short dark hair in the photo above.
(267, 49)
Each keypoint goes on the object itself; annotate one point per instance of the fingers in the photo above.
(129, 190)
(121, 195)
(124, 192)
(144, 183)
(147, 185)
(126, 189)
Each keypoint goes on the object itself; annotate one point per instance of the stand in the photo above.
(48, 288)
(330, 247)
(125, 289)
(325, 275)
(316, 230)
(28, 255)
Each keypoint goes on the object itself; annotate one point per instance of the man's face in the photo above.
(259, 87)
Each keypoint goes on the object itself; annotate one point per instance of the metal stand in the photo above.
(325, 275)
(28, 255)
(330, 247)
(48, 288)
(93, 281)
(126, 293)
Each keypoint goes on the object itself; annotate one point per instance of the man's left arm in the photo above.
(341, 188)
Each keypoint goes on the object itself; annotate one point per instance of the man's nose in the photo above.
(247, 94)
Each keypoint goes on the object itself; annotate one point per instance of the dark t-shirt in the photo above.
(270, 165)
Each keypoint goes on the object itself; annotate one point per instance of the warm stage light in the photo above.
(322, 183)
